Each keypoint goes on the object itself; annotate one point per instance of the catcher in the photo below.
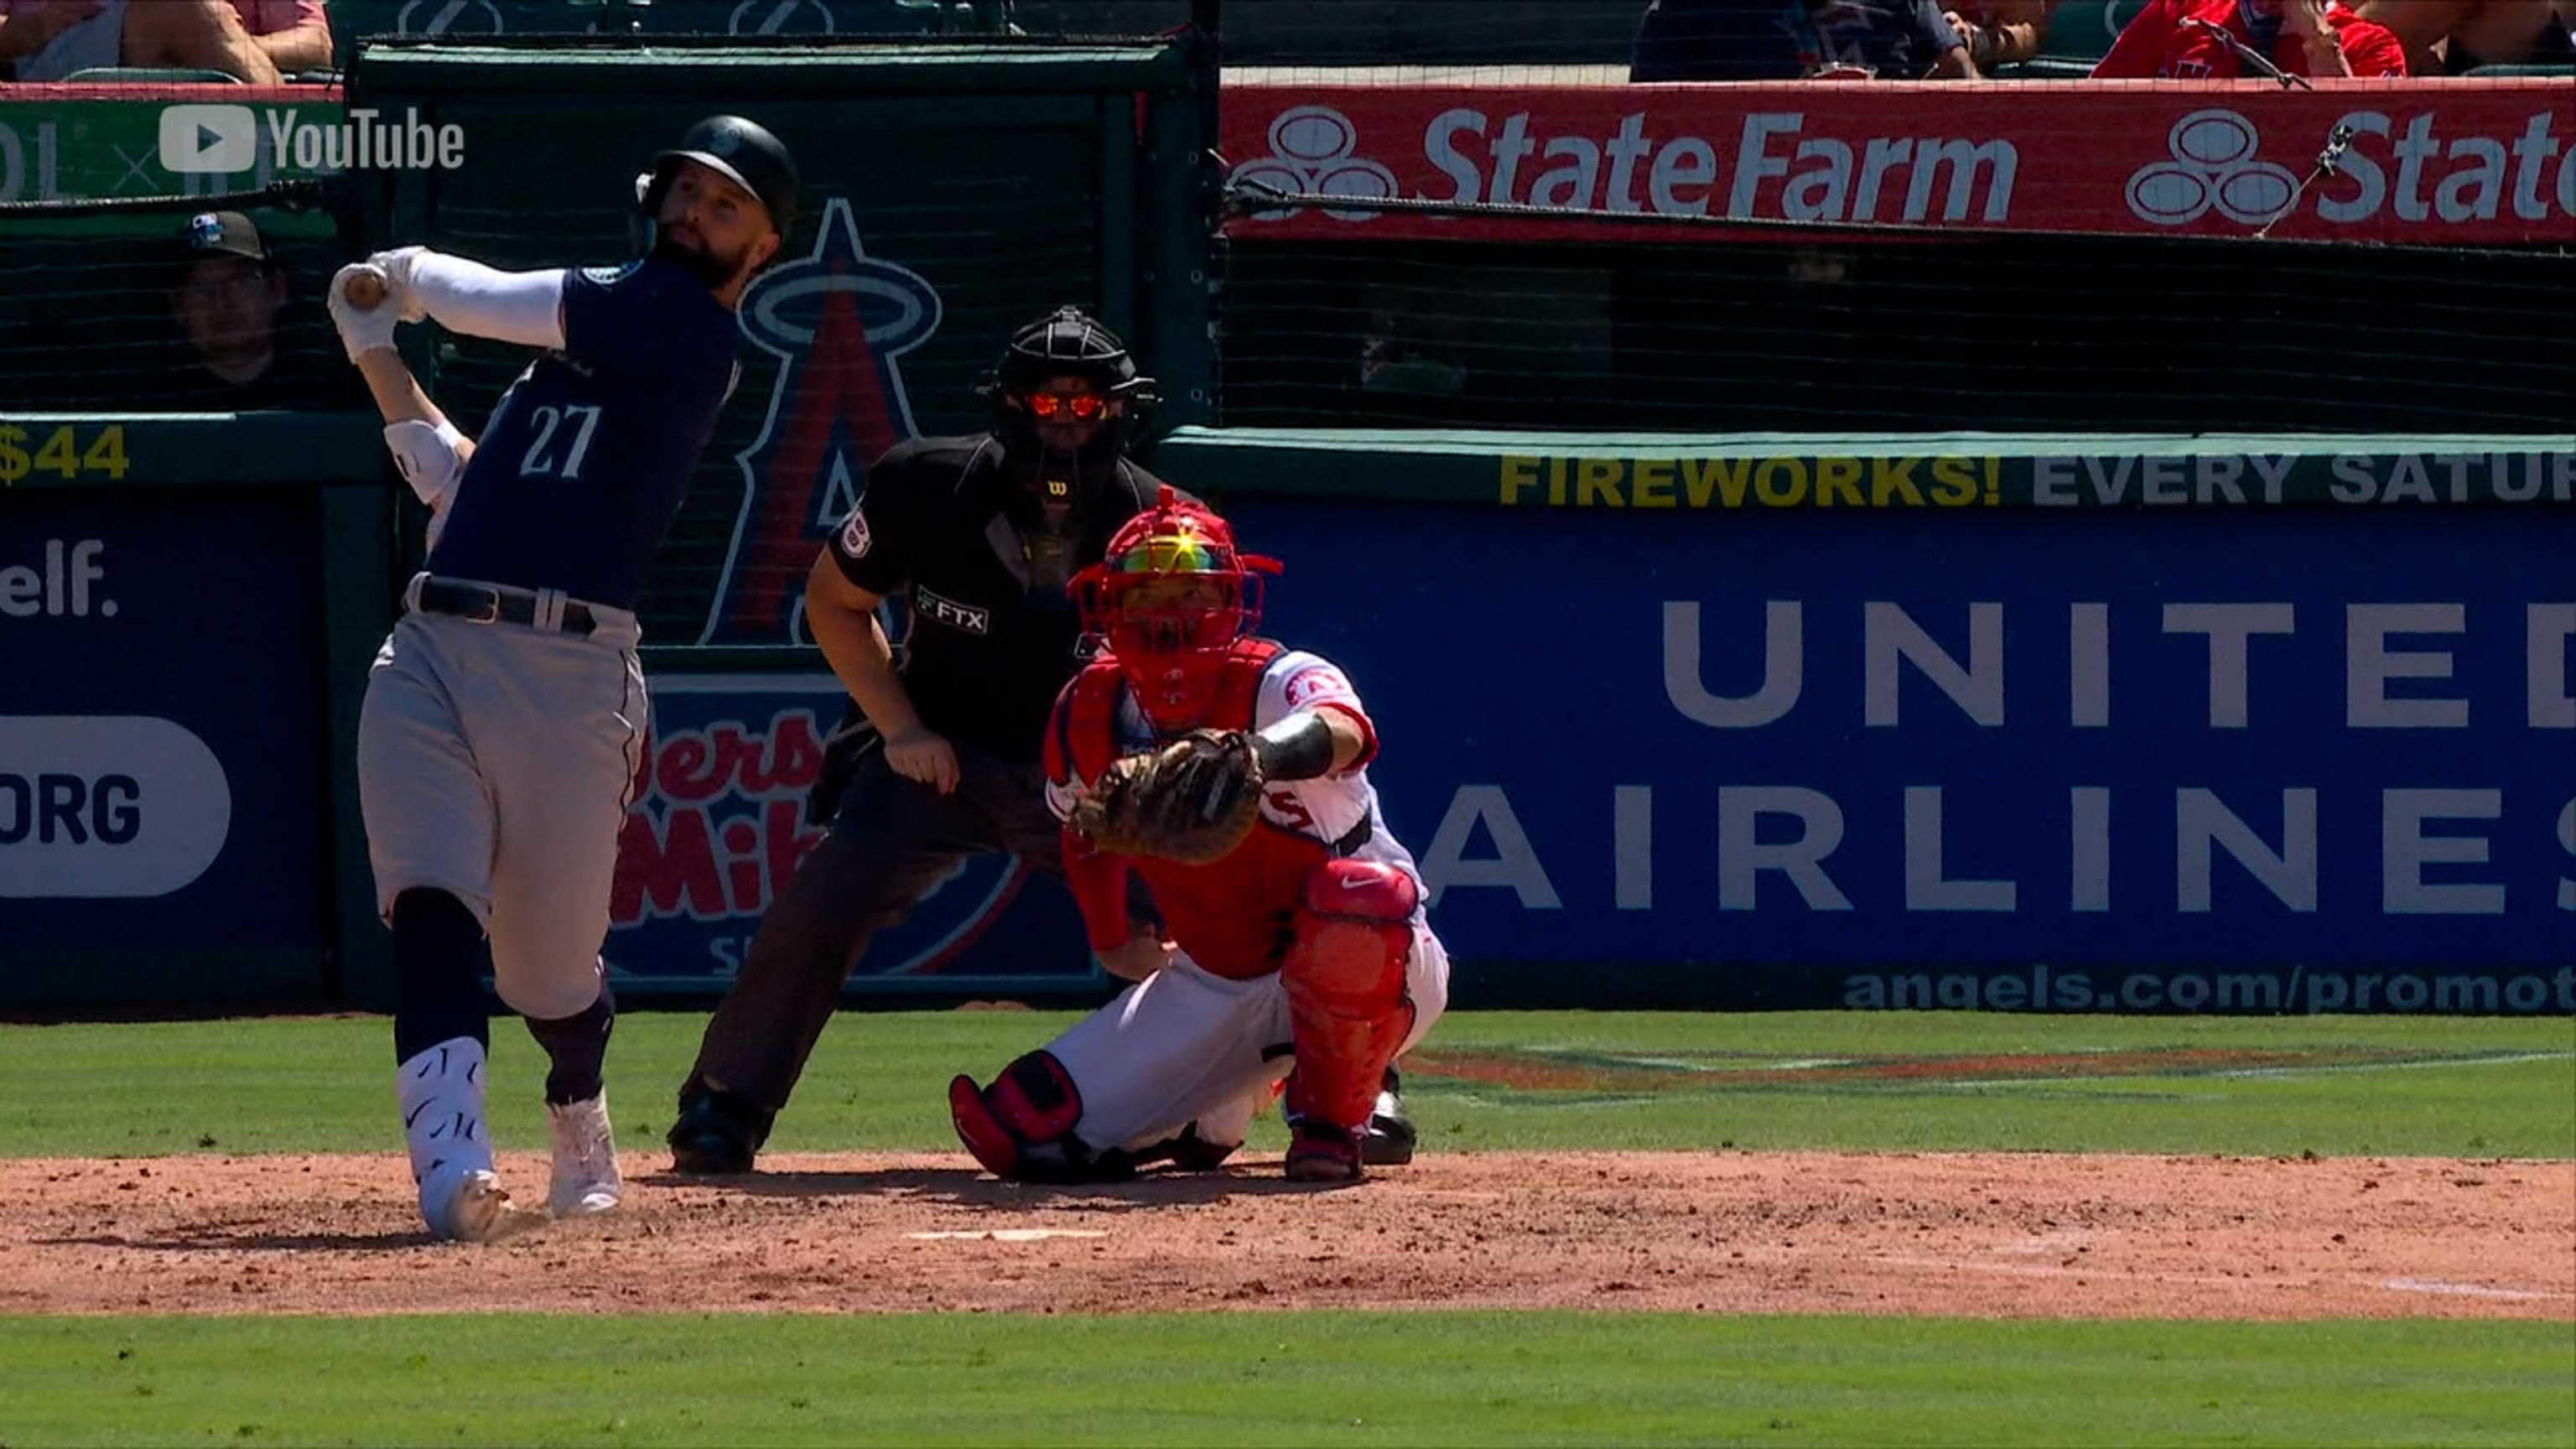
(1230, 772)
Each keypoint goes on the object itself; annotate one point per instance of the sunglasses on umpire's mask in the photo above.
(1056, 407)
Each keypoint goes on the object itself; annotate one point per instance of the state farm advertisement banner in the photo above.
(2452, 162)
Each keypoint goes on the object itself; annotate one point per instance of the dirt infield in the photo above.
(2002, 1235)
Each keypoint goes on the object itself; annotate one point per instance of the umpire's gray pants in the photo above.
(892, 840)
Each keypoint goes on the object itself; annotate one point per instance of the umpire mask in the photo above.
(1066, 376)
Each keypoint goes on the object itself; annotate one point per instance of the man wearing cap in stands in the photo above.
(226, 299)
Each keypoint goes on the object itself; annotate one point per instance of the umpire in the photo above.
(939, 757)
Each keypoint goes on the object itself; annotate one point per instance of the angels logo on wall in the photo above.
(837, 319)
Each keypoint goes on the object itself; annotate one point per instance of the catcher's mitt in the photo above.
(1192, 801)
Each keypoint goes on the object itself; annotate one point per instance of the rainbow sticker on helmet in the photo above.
(1172, 553)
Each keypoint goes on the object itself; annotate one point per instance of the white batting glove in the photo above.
(396, 265)
(362, 329)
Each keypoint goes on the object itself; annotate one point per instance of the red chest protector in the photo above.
(1227, 914)
(1084, 742)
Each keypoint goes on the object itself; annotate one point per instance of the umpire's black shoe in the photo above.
(1389, 1137)
(717, 1133)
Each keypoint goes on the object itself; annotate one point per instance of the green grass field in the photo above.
(2462, 1087)
(2270, 1086)
(1341, 1378)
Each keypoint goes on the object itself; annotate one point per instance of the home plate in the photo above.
(1012, 1235)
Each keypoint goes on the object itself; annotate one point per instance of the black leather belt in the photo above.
(479, 604)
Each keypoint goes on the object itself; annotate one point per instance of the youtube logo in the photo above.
(200, 140)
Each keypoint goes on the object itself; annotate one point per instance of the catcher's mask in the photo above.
(1171, 596)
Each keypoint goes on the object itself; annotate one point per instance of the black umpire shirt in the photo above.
(946, 528)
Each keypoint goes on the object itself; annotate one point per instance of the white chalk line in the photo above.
(2466, 1290)
(2320, 1069)
(1810, 1064)
(2394, 1285)
(2431, 1063)
(1007, 1235)
(2038, 1270)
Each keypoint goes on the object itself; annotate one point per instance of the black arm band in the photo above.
(1299, 747)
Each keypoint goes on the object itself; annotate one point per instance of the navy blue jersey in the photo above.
(587, 457)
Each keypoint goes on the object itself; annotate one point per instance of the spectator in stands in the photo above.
(1752, 40)
(43, 40)
(295, 34)
(226, 300)
(48, 40)
(2454, 37)
(2167, 41)
(2001, 32)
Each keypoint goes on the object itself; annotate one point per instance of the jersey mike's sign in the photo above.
(1789, 745)
(2465, 161)
(717, 828)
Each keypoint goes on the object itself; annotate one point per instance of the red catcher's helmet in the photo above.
(1171, 596)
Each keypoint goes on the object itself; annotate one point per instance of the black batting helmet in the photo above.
(1069, 342)
(740, 150)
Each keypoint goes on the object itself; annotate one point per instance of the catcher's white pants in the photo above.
(1184, 1047)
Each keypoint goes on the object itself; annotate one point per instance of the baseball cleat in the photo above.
(716, 1133)
(479, 1210)
(585, 1159)
(1389, 1138)
(1323, 1154)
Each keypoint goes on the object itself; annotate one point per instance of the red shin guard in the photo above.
(1344, 975)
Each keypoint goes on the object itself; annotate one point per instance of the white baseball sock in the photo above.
(440, 1092)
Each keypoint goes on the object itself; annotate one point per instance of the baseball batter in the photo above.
(1297, 933)
(503, 716)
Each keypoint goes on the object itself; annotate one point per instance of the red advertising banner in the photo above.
(2419, 162)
